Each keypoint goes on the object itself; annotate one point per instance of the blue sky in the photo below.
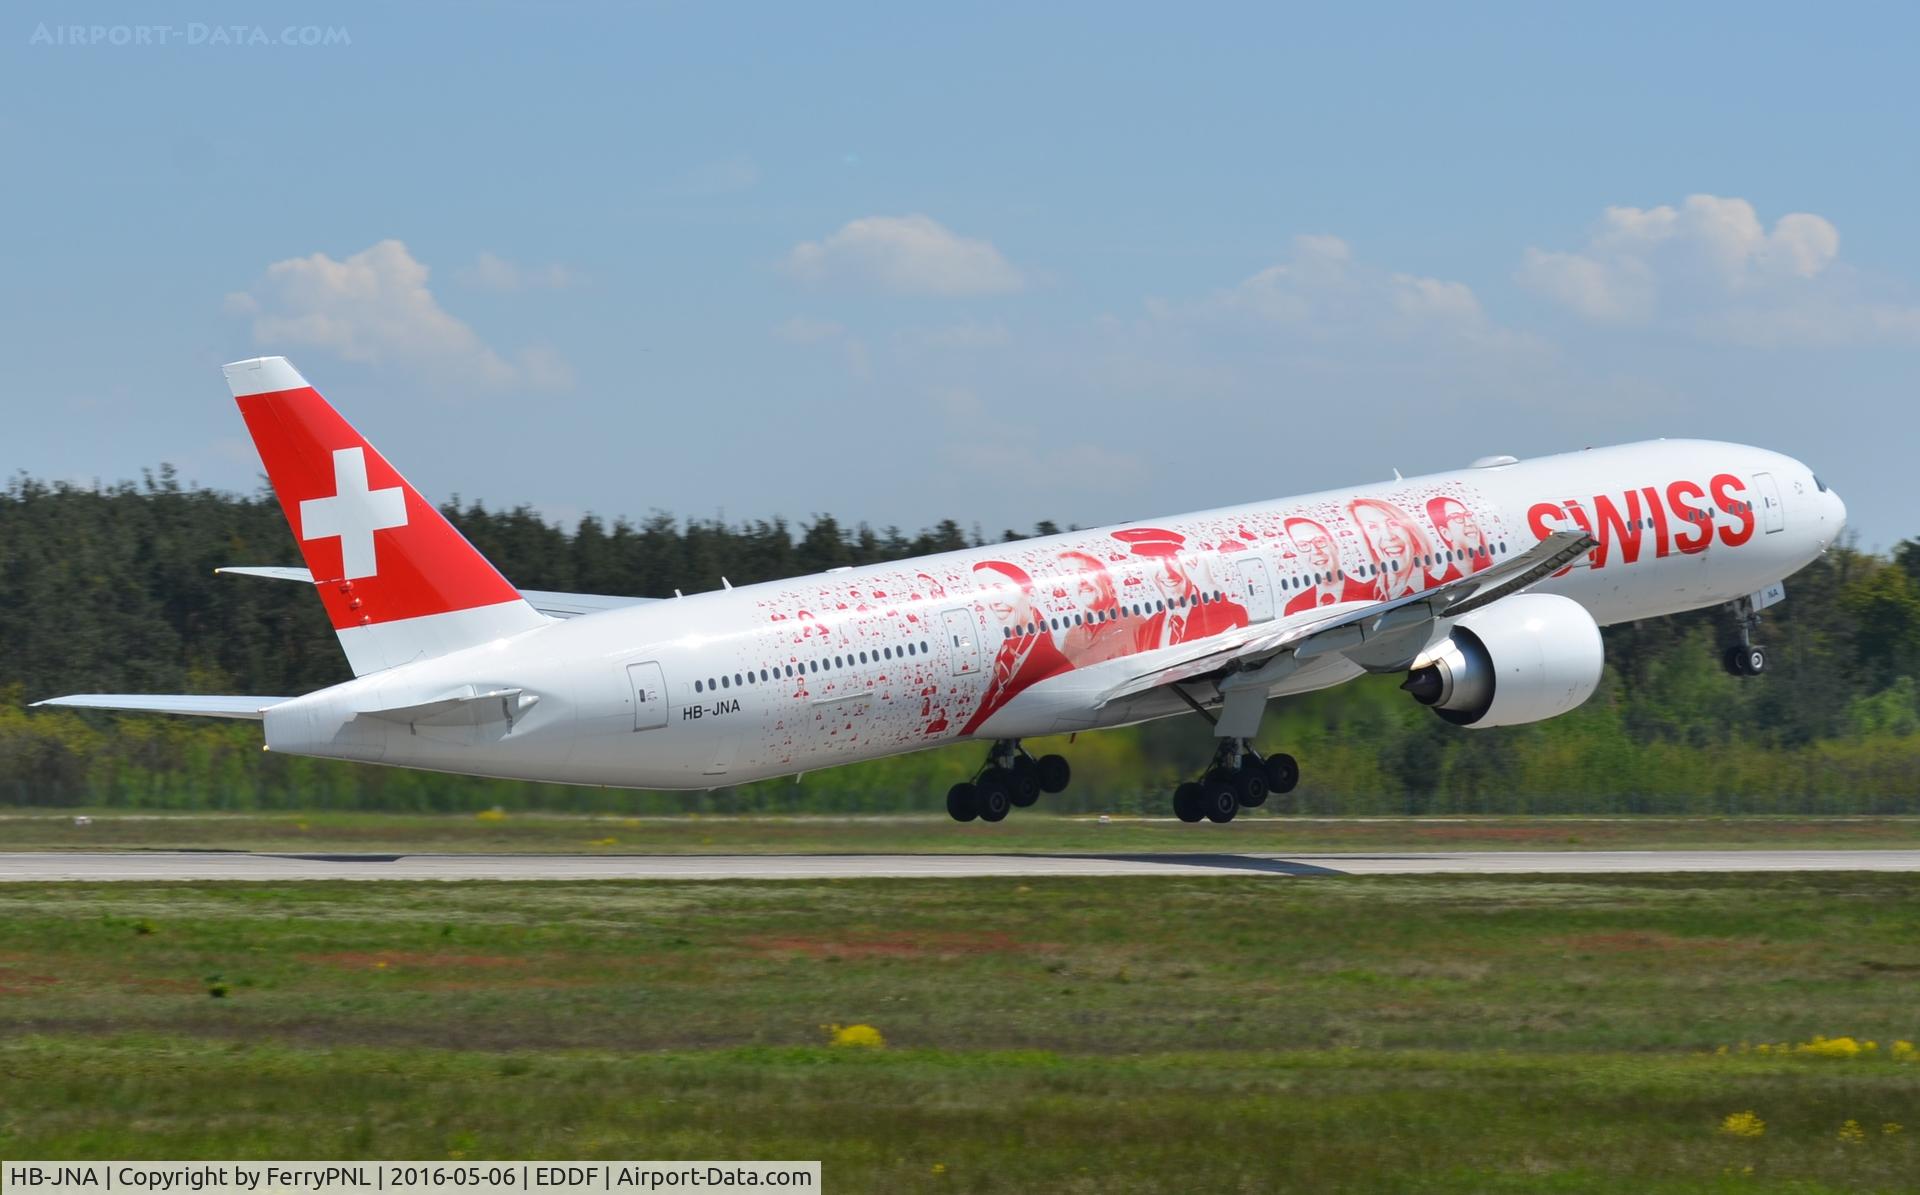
(1078, 262)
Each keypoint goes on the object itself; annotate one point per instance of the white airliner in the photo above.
(1485, 587)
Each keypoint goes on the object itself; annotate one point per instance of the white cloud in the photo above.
(804, 330)
(1711, 267)
(492, 272)
(375, 308)
(1321, 293)
(905, 255)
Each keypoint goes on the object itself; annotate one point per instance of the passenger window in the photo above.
(696, 686)
(723, 683)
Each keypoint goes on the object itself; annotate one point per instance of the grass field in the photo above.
(1451, 1034)
(40, 829)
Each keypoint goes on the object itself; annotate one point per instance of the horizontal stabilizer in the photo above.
(272, 572)
(163, 703)
(467, 706)
(551, 602)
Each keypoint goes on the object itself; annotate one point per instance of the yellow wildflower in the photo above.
(1743, 1124)
(1829, 1047)
(1852, 1133)
(496, 814)
(865, 1036)
(1890, 1128)
(1903, 1051)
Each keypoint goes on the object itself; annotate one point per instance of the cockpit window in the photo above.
(1818, 484)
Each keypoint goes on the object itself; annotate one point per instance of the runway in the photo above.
(201, 866)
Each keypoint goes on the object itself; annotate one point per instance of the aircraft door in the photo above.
(1256, 587)
(649, 695)
(962, 641)
(1773, 516)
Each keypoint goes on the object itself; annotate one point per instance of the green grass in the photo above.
(1026, 830)
(1151, 1034)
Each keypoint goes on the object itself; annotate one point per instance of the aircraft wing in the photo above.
(159, 703)
(551, 603)
(1376, 632)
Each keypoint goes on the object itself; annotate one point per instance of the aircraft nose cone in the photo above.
(1839, 511)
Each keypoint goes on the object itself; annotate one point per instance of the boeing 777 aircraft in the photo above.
(1485, 587)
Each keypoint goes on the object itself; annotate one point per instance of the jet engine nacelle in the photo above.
(1526, 658)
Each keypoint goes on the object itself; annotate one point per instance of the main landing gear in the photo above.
(1009, 778)
(1745, 658)
(1236, 779)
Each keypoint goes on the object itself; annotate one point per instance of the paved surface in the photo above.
(234, 865)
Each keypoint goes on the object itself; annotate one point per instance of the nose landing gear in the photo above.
(1745, 658)
(1009, 779)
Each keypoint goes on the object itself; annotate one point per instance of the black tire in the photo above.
(1734, 661)
(1219, 800)
(1023, 786)
(962, 804)
(1250, 785)
(1283, 772)
(1053, 773)
(1753, 660)
(993, 796)
(1186, 802)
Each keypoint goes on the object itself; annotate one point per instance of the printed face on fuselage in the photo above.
(1085, 584)
(1387, 533)
(1010, 601)
(1456, 525)
(1313, 542)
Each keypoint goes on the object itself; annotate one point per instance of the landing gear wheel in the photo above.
(1250, 786)
(1053, 773)
(1023, 783)
(1283, 772)
(1219, 800)
(963, 805)
(1753, 660)
(993, 797)
(1731, 660)
(1186, 803)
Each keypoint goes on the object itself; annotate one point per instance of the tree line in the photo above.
(111, 588)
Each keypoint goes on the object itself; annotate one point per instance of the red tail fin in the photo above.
(380, 554)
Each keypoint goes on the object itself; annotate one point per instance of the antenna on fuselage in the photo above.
(725, 584)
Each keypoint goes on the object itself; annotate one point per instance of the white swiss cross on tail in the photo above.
(353, 514)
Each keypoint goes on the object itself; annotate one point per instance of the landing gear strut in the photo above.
(1010, 778)
(1745, 658)
(1237, 779)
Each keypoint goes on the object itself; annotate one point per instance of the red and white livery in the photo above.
(1485, 587)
